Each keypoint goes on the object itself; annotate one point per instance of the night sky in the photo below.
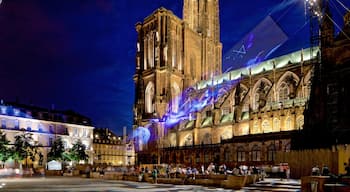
(80, 54)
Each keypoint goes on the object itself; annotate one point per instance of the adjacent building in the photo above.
(111, 149)
(46, 125)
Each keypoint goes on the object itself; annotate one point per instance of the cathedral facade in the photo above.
(196, 115)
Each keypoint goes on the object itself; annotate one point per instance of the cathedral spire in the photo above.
(202, 16)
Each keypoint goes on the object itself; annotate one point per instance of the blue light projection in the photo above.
(142, 133)
(254, 48)
(191, 100)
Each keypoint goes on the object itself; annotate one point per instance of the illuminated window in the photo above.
(283, 92)
(16, 112)
(188, 140)
(3, 109)
(255, 127)
(256, 101)
(84, 133)
(206, 157)
(3, 123)
(276, 124)
(256, 153)
(16, 124)
(198, 159)
(40, 127)
(287, 148)
(206, 139)
(266, 126)
(271, 153)
(51, 128)
(50, 141)
(227, 154)
(288, 123)
(300, 122)
(75, 132)
(65, 144)
(29, 124)
(149, 94)
(240, 154)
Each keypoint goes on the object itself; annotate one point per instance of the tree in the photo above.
(57, 150)
(77, 152)
(5, 152)
(24, 147)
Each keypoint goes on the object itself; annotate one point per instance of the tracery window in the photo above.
(206, 139)
(300, 122)
(255, 127)
(256, 153)
(3, 123)
(188, 140)
(288, 123)
(240, 154)
(149, 94)
(227, 154)
(266, 126)
(276, 124)
(271, 152)
(283, 92)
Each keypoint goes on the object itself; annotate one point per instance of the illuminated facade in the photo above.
(244, 116)
(111, 149)
(46, 125)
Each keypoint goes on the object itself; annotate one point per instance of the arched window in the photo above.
(256, 153)
(188, 140)
(300, 122)
(256, 101)
(260, 91)
(227, 154)
(3, 123)
(29, 126)
(16, 124)
(149, 94)
(276, 124)
(288, 123)
(206, 139)
(287, 147)
(198, 159)
(240, 154)
(266, 127)
(271, 152)
(182, 157)
(226, 135)
(255, 127)
(174, 158)
(283, 92)
(206, 157)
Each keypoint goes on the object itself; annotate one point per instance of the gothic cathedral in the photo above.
(191, 113)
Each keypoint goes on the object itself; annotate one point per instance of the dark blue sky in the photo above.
(80, 54)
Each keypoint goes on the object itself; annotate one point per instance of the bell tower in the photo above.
(202, 17)
(171, 55)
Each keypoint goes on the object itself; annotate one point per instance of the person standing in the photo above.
(155, 174)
